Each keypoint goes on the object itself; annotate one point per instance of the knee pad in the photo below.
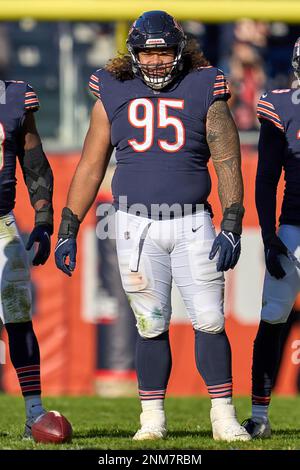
(152, 318)
(15, 285)
(208, 315)
(150, 322)
(210, 322)
(154, 332)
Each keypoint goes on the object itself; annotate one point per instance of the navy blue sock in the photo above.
(266, 356)
(153, 365)
(25, 356)
(213, 359)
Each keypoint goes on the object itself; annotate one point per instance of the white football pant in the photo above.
(279, 295)
(151, 253)
(15, 292)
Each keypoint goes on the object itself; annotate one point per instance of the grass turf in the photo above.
(101, 423)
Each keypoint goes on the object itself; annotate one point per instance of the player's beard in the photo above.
(158, 76)
(157, 70)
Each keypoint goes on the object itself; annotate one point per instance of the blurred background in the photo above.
(85, 326)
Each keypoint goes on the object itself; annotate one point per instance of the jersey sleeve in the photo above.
(220, 87)
(94, 84)
(31, 101)
(266, 110)
(271, 151)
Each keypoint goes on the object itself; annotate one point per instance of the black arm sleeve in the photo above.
(271, 150)
(37, 174)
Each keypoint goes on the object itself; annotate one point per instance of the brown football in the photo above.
(52, 428)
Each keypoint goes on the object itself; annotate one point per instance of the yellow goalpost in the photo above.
(125, 10)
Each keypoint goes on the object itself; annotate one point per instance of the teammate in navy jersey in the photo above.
(279, 149)
(19, 138)
(163, 108)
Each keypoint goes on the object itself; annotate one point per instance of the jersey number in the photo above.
(2, 139)
(163, 121)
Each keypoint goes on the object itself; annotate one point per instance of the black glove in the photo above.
(274, 247)
(66, 246)
(229, 245)
(40, 234)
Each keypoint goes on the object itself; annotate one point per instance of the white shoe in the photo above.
(225, 426)
(257, 427)
(28, 424)
(153, 426)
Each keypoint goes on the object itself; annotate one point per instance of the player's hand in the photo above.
(229, 246)
(274, 247)
(40, 234)
(66, 248)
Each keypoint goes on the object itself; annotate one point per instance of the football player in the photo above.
(278, 149)
(163, 108)
(19, 137)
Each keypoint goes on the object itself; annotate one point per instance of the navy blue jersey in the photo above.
(160, 136)
(16, 99)
(282, 109)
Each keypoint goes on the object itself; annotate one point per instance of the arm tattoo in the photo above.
(223, 141)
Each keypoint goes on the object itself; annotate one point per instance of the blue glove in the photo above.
(40, 234)
(229, 244)
(274, 247)
(66, 248)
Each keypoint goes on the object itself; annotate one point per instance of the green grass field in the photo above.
(101, 423)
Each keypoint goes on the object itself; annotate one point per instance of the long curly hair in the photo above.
(193, 58)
